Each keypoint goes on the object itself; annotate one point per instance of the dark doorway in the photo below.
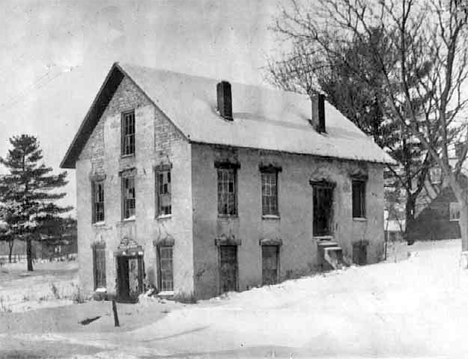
(270, 264)
(323, 208)
(360, 253)
(129, 277)
(228, 268)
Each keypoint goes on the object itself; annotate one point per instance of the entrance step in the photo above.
(330, 255)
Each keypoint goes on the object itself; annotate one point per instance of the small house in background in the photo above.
(437, 209)
(197, 187)
(438, 219)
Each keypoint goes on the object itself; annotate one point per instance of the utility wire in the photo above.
(36, 85)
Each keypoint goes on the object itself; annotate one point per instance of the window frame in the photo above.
(126, 200)
(130, 136)
(268, 211)
(453, 210)
(231, 204)
(99, 252)
(163, 282)
(166, 175)
(95, 185)
(359, 209)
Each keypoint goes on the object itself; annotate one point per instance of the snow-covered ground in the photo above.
(51, 284)
(408, 307)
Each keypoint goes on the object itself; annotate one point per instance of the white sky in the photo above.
(56, 54)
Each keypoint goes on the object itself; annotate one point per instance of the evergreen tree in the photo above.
(28, 191)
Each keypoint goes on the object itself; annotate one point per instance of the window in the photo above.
(98, 201)
(359, 199)
(227, 191)
(166, 274)
(454, 211)
(163, 192)
(99, 266)
(270, 193)
(128, 195)
(128, 133)
(322, 208)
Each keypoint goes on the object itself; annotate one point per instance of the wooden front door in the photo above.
(323, 209)
(270, 265)
(227, 268)
(129, 278)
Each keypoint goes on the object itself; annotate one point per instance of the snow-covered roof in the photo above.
(262, 118)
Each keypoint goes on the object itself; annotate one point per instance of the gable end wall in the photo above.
(157, 141)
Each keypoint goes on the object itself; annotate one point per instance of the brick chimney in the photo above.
(318, 112)
(224, 95)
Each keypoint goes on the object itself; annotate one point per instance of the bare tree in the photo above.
(353, 84)
(428, 34)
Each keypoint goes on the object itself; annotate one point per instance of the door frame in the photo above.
(331, 220)
(219, 266)
(278, 250)
(140, 262)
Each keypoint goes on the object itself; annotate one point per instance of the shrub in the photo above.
(78, 297)
(55, 291)
(3, 307)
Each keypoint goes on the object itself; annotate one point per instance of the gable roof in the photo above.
(263, 118)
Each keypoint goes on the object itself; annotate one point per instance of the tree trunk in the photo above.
(29, 254)
(463, 223)
(409, 213)
(10, 245)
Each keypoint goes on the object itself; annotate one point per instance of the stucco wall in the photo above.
(157, 141)
(298, 254)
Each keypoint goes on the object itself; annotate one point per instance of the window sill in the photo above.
(164, 216)
(228, 216)
(130, 219)
(360, 219)
(454, 220)
(128, 156)
(323, 238)
(99, 224)
(271, 216)
(167, 293)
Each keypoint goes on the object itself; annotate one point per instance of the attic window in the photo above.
(128, 133)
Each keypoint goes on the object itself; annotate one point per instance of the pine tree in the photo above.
(28, 191)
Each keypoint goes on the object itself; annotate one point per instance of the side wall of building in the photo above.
(298, 252)
(157, 142)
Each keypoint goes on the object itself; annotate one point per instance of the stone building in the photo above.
(197, 187)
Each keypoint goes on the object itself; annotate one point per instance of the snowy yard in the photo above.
(412, 307)
(51, 284)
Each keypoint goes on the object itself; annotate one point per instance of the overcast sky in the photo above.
(56, 54)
